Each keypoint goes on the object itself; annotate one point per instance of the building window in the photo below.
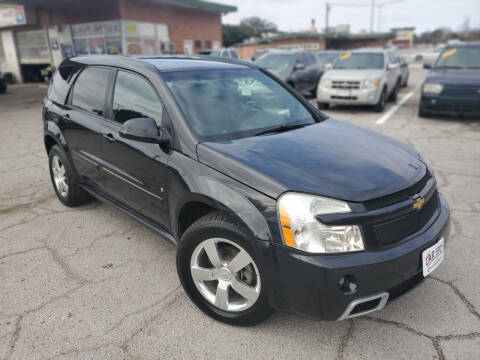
(172, 47)
(198, 43)
(208, 44)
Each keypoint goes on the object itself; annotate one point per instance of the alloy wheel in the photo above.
(59, 176)
(225, 274)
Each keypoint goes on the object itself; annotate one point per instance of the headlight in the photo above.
(324, 83)
(301, 230)
(432, 88)
(371, 83)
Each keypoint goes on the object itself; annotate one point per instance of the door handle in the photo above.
(109, 137)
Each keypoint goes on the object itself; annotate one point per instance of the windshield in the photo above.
(359, 61)
(275, 61)
(327, 58)
(460, 58)
(230, 104)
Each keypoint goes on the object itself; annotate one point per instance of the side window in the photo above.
(90, 89)
(310, 59)
(301, 59)
(233, 54)
(133, 98)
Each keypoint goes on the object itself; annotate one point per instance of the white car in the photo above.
(361, 77)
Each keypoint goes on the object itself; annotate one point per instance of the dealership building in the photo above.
(38, 33)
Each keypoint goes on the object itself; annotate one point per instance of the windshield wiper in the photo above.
(448, 67)
(281, 128)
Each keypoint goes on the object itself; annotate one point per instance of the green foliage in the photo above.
(252, 26)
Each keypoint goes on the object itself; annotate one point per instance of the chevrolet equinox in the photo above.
(272, 204)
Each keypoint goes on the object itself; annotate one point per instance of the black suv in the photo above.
(299, 69)
(453, 85)
(272, 205)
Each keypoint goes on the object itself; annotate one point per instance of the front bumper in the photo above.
(310, 284)
(442, 105)
(348, 97)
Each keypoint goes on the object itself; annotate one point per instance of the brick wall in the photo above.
(183, 23)
(77, 12)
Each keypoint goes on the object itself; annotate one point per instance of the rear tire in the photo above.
(231, 293)
(323, 106)
(3, 86)
(64, 179)
(380, 105)
(396, 89)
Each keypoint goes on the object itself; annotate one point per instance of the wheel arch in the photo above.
(196, 205)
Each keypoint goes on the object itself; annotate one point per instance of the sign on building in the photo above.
(15, 16)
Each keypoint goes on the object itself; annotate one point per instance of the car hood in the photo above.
(332, 159)
(338, 74)
(454, 76)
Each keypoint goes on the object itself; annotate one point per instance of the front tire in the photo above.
(380, 105)
(219, 271)
(396, 89)
(64, 180)
(3, 86)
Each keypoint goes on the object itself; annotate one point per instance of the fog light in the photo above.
(347, 284)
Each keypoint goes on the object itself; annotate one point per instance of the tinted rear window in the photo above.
(90, 90)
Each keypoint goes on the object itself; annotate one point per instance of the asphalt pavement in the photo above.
(92, 283)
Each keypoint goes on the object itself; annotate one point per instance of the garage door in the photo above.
(33, 47)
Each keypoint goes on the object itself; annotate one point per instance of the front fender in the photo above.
(192, 181)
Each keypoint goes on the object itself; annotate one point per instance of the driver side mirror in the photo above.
(299, 66)
(392, 66)
(145, 130)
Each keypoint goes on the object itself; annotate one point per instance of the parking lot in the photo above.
(92, 283)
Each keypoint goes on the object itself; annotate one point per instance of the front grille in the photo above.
(398, 196)
(344, 84)
(394, 230)
(461, 91)
(336, 97)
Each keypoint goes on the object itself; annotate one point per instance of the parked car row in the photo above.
(357, 77)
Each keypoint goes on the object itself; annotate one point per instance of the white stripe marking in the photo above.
(394, 108)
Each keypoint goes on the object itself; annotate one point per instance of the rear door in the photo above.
(135, 172)
(84, 119)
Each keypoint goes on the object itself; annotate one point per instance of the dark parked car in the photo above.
(261, 52)
(272, 205)
(326, 58)
(299, 69)
(453, 85)
(3, 84)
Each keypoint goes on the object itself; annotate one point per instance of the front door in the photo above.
(84, 118)
(187, 47)
(135, 172)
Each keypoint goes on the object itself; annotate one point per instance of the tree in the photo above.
(234, 34)
(259, 26)
(249, 27)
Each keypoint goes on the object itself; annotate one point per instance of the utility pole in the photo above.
(372, 14)
(327, 11)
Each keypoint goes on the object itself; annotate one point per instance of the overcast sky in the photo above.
(295, 15)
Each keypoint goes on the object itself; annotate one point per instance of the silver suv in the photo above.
(361, 77)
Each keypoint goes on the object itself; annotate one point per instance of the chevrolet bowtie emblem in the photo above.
(418, 204)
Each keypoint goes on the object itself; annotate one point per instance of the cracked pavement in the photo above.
(92, 283)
